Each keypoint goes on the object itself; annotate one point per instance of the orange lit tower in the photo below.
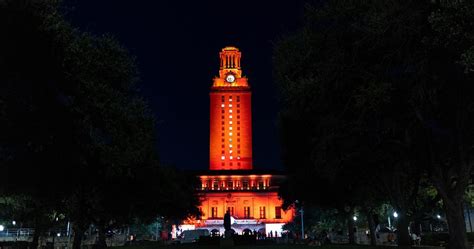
(231, 116)
(232, 185)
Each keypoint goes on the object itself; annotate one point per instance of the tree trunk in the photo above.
(37, 233)
(101, 241)
(78, 234)
(402, 230)
(350, 228)
(34, 242)
(371, 223)
(455, 216)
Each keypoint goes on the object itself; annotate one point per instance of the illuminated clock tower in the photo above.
(232, 184)
(230, 116)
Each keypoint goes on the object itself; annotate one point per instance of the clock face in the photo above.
(230, 78)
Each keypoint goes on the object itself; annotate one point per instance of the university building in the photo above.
(231, 184)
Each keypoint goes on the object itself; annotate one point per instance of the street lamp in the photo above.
(395, 214)
(438, 216)
(14, 223)
(354, 218)
(2, 228)
(302, 220)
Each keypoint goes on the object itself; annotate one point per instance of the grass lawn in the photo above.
(192, 246)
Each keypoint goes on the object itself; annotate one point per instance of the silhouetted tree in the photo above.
(76, 136)
(367, 86)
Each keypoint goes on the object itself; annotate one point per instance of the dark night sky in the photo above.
(177, 45)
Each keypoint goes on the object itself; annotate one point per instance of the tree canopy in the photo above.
(379, 94)
(77, 137)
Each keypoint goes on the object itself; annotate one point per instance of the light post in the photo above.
(302, 219)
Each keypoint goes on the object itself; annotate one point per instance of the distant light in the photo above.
(58, 234)
(2, 228)
(57, 218)
(395, 214)
(438, 216)
(355, 218)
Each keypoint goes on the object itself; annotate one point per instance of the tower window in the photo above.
(223, 98)
(262, 212)
(230, 210)
(238, 116)
(213, 212)
(230, 116)
(222, 157)
(230, 134)
(238, 111)
(230, 128)
(246, 212)
(238, 105)
(223, 134)
(277, 212)
(230, 111)
(223, 111)
(222, 105)
(230, 105)
(230, 122)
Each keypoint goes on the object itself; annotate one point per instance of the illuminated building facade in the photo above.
(232, 184)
